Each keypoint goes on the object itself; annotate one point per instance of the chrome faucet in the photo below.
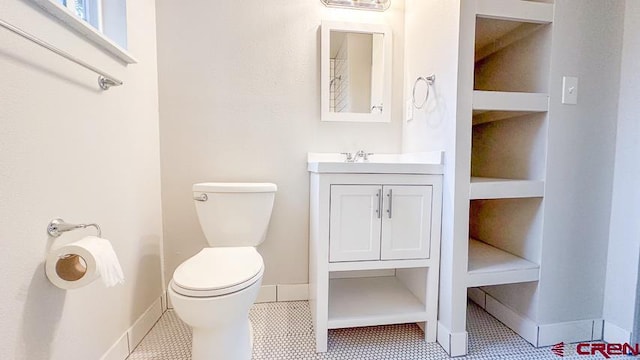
(348, 157)
(359, 156)
(362, 155)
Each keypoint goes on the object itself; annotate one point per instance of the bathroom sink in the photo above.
(410, 163)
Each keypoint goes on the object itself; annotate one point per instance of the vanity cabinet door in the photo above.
(406, 222)
(354, 225)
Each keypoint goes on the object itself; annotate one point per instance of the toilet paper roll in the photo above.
(79, 263)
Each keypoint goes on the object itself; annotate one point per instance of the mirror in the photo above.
(356, 72)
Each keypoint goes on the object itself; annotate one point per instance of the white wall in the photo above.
(240, 101)
(70, 150)
(587, 40)
(431, 38)
(624, 233)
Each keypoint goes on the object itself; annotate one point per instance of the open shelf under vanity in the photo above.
(370, 301)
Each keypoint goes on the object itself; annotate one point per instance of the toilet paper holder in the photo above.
(57, 227)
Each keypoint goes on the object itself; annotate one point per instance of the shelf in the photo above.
(523, 11)
(491, 106)
(371, 301)
(381, 264)
(492, 188)
(489, 265)
(486, 116)
(510, 101)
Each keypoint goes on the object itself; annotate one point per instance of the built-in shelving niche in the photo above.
(510, 149)
(504, 244)
(510, 98)
(512, 55)
(504, 249)
(508, 160)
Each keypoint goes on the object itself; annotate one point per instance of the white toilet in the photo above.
(213, 290)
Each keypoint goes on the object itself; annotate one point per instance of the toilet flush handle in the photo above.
(201, 197)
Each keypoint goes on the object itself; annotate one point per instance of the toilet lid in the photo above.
(217, 271)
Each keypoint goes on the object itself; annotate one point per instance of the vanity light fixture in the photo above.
(377, 5)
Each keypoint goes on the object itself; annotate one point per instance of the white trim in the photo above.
(524, 327)
(614, 334)
(455, 344)
(128, 341)
(525, 11)
(267, 294)
(567, 332)
(163, 299)
(119, 350)
(293, 292)
(598, 329)
(144, 324)
(538, 335)
(325, 33)
(84, 28)
(361, 273)
(380, 264)
(477, 296)
(166, 296)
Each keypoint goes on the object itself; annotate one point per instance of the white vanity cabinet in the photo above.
(380, 222)
(374, 242)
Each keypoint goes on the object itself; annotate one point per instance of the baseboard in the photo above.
(119, 350)
(614, 334)
(537, 335)
(598, 330)
(568, 332)
(283, 292)
(125, 345)
(455, 344)
(524, 327)
(477, 296)
(144, 324)
(168, 300)
(165, 301)
(293, 292)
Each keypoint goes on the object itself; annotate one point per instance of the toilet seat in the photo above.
(218, 271)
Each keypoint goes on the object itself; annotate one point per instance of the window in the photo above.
(103, 22)
(87, 10)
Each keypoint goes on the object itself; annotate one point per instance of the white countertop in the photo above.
(410, 163)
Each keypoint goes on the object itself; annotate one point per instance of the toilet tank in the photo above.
(234, 214)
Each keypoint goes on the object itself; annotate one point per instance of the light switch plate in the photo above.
(569, 90)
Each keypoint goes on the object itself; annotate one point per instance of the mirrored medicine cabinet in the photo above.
(355, 72)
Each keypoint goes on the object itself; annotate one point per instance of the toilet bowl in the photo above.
(213, 291)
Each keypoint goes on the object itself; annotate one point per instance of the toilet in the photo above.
(213, 290)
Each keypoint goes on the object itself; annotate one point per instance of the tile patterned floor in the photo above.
(283, 331)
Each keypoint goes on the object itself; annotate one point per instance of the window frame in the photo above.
(92, 11)
(68, 16)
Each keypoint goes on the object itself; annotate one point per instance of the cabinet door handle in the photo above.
(390, 195)
(379, 196)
